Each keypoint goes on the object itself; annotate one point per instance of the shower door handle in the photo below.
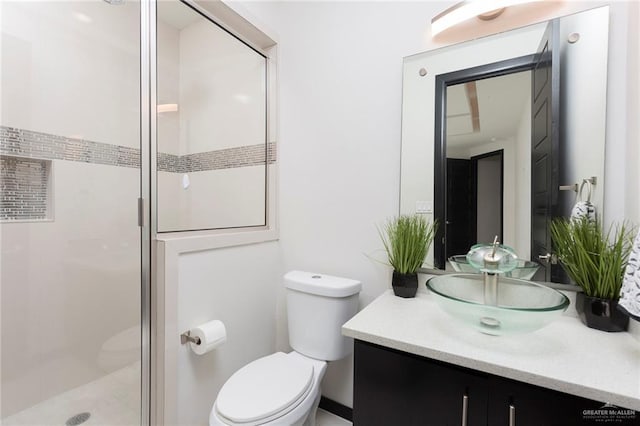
(141, 212)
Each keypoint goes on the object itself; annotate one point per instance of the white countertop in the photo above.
(566, 355)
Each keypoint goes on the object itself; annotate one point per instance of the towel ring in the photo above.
(588, 183)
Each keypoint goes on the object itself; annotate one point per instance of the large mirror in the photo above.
(497, 132)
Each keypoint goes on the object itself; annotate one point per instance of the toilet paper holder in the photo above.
(205, 337)
(186, 337)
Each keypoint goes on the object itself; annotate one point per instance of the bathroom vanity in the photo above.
(414, 364)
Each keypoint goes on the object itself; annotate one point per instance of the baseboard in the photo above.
(336, 408)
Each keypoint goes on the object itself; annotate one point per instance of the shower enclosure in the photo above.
(89, 89)
(75, 250)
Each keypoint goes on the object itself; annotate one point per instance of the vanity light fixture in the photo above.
(465, 10)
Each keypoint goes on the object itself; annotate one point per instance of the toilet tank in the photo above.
(317, 306)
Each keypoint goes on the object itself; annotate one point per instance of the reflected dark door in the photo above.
(459, 214)
(545, 149)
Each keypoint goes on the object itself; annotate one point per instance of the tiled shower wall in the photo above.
(26, 161)
(25, 188)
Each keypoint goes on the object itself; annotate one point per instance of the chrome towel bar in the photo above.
(575, 187)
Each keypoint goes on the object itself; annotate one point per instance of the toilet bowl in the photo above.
(284, 389)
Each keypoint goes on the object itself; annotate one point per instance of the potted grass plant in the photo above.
(595, 260)
(407, 239)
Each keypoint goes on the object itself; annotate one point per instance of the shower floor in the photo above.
(111, 400)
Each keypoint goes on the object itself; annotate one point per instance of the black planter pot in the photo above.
(404, 285)
(601, 314)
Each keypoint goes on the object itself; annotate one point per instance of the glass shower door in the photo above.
(70, 270)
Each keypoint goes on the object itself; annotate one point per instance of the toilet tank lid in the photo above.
(321, 284)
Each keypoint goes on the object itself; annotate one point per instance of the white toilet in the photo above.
(284, 389)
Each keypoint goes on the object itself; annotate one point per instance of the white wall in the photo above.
(238, 286)
(340, 106)
(583, 130)
(620, 196)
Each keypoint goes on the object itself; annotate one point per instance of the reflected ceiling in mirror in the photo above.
(498, 103)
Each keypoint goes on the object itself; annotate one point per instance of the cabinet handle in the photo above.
(465, 409)
(512, 415)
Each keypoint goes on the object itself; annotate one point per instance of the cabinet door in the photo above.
(396, 388)
(530, 405)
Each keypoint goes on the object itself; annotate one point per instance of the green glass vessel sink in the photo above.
(524, 270)
(523, 306)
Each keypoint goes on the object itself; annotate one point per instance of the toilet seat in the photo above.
(264, 390)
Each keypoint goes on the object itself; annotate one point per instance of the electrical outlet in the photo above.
(424, 207)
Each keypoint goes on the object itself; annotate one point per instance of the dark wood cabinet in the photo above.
(535, 406)
(396, 388)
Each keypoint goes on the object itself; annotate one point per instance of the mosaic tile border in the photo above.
(229, 158)
(27, 143)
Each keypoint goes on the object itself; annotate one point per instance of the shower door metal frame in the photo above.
(147, 214)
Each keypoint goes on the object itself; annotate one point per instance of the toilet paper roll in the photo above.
(212, 334)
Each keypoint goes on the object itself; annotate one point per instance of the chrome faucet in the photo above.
(492, 260)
